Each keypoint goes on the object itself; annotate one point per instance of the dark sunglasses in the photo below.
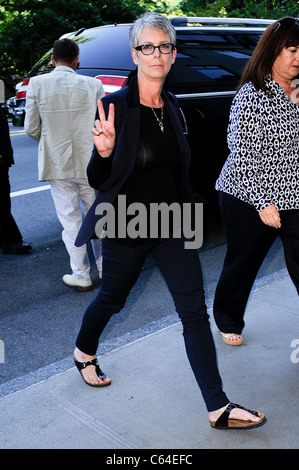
(286, 23)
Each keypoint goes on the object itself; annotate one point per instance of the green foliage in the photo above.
(239, 8)
(28, 28)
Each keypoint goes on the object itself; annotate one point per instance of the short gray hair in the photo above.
(151, 20)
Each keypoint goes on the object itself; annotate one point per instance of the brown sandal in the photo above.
(225, 422)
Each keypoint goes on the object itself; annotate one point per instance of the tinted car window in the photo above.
(111, 46)
(100, 48)
(210, 62)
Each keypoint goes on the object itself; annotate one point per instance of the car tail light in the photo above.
(111, 83)
(23, 89)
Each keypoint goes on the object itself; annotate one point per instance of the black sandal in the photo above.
(224, 422)
(99, 372)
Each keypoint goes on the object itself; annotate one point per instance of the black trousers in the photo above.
(248, 242)
(181, 269)
(9, 231)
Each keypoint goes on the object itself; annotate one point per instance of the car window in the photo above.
(105, 47)
(210, 62)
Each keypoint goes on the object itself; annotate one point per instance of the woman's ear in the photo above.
(174, 55)
(134, 56)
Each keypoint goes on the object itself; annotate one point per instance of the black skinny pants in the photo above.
(248, 242)
(181, 269)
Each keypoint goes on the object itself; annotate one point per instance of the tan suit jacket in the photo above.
(60, 113)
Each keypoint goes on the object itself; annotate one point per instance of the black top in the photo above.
(156, 174)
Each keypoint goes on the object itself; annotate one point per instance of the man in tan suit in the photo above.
(60, 113)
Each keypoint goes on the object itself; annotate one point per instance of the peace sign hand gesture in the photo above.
(104, 131)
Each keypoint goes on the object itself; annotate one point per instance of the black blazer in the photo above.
(108, 175)
(6, 150)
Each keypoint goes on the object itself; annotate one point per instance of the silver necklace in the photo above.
(160, 121)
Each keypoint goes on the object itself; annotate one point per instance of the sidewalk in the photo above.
(154, 402)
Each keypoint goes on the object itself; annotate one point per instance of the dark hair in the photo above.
(280, 34)
(66, 50)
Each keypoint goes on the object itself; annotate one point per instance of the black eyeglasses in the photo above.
(286, 23)
(148, 49)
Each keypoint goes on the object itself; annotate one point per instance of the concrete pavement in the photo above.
(154, 401)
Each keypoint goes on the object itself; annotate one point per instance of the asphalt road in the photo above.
(40, 317)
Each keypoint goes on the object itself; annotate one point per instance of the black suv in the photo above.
(211, 55)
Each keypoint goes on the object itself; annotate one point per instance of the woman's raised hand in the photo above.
(104, 131)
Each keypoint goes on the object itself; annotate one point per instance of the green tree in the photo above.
(239, 8)
(28, 28)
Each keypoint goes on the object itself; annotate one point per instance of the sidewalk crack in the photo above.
(90, 421)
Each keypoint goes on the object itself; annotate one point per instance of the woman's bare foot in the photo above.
(89, 372)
